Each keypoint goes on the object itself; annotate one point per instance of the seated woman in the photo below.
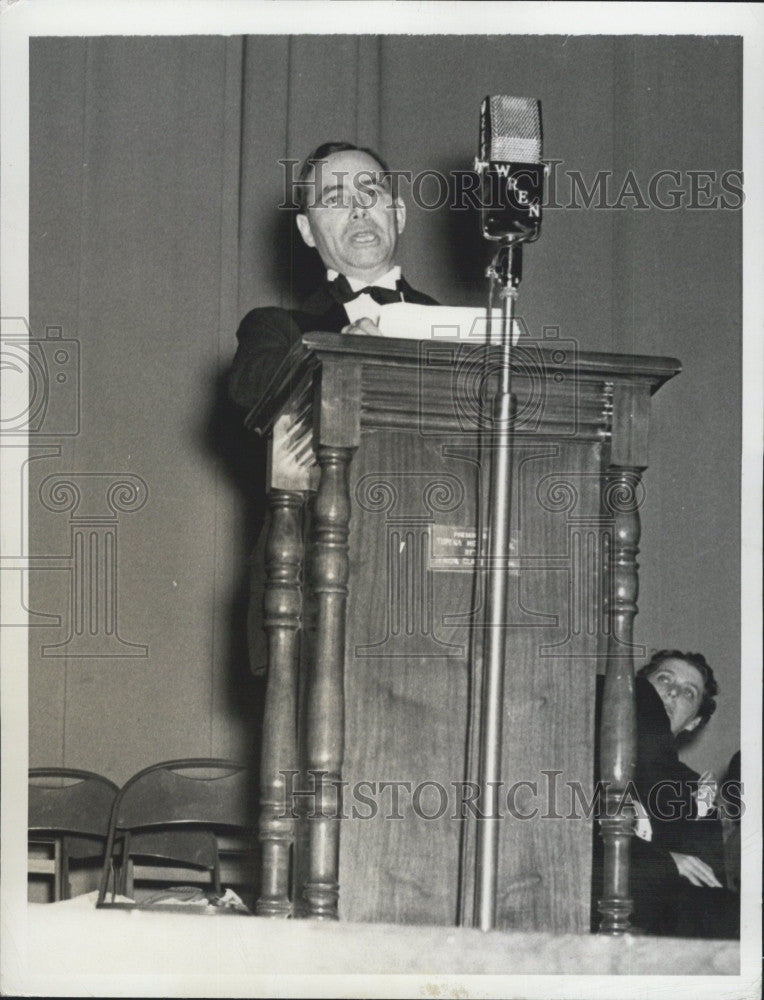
(677, 860)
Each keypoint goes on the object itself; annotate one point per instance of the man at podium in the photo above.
(349, 212)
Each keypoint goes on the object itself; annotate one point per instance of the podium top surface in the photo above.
(392, 370)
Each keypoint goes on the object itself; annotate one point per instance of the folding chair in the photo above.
(68, 816)
(170, 818)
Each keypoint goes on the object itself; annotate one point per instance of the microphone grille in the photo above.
(511, 129)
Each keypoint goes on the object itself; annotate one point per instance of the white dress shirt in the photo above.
(365, 306)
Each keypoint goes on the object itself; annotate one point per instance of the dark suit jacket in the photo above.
(267, 335)
(265, 338)
(664, 902)
(663, 783)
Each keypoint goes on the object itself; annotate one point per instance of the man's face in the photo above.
(352, 218)
(680, 686)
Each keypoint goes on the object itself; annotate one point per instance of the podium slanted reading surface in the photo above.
(374, 612)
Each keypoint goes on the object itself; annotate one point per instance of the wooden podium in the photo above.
(375, 589)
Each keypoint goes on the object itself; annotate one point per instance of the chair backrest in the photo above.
(193, 793)
(68, 801)
(204, 791)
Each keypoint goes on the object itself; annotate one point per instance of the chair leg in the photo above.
(216, 876)
(57, 874)
(125, 884)
(66, 888)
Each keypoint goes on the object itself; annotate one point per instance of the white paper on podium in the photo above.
(459, 324)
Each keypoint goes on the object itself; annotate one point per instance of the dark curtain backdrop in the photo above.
(154, 226)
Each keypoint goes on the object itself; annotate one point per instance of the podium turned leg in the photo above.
(326, 694)
(278, 762)
(618, 741)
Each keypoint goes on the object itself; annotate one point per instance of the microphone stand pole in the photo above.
(505, 270)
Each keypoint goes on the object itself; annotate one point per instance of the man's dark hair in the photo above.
(302, 188)
(710, 687)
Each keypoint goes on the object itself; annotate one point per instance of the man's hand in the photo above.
(365, 326)
(708, 788)
(695, 870)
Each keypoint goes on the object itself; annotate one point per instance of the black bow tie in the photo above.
(382, 296)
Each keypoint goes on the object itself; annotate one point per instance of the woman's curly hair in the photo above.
(710, 687)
